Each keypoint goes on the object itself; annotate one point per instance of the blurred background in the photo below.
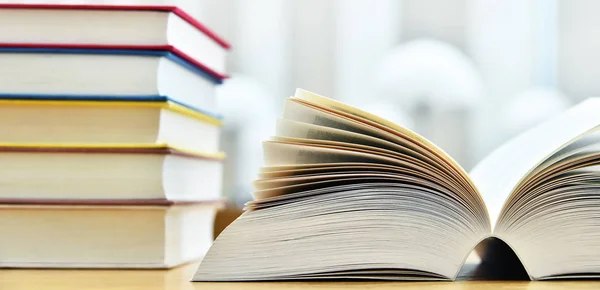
(466, 74)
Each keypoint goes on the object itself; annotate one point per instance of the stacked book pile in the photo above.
(108, 136)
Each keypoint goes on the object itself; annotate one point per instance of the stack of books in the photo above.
(108, 136)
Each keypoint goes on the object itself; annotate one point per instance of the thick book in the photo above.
(106, 122)
(148, 27)
(104, 74)
(107, 174)
(104, 236)
(347, 194)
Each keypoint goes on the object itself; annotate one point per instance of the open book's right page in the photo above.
(499, 173)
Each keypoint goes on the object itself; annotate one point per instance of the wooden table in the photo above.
(178, 279)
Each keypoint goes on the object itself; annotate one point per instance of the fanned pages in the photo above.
(344, 194)
(498, 174)
(544, 189)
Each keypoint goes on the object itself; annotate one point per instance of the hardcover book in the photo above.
(112, 122)
(104, 74)
(104, 236)
(107, 174)
(144, 27)
(347, 194)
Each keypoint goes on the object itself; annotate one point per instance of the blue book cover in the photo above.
(105, 98)
(109, 51)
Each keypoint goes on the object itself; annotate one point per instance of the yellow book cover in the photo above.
(122, 125)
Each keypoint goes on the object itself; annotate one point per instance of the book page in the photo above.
(305, 95)
(502, 171)
(294, 129)
(328, 108)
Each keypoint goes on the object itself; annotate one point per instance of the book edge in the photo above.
(168, 51)
(161, 202)
(173, 9)
(163, 149)
(82, 100)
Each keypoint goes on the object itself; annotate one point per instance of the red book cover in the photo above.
(171, 9)
(159, 149)
(103, 202)
(107, 202)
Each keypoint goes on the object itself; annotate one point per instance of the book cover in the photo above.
(185, 16)
(116, 100)
(166, 51)
(92, 148)
(111, 101)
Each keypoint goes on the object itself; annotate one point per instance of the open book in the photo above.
(346, 194)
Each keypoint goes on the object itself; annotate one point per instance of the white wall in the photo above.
(312, 47)
(499, 38)
(579, 50)
(444, 20)
(365, 31)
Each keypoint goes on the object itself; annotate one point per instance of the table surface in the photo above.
(178, 279)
